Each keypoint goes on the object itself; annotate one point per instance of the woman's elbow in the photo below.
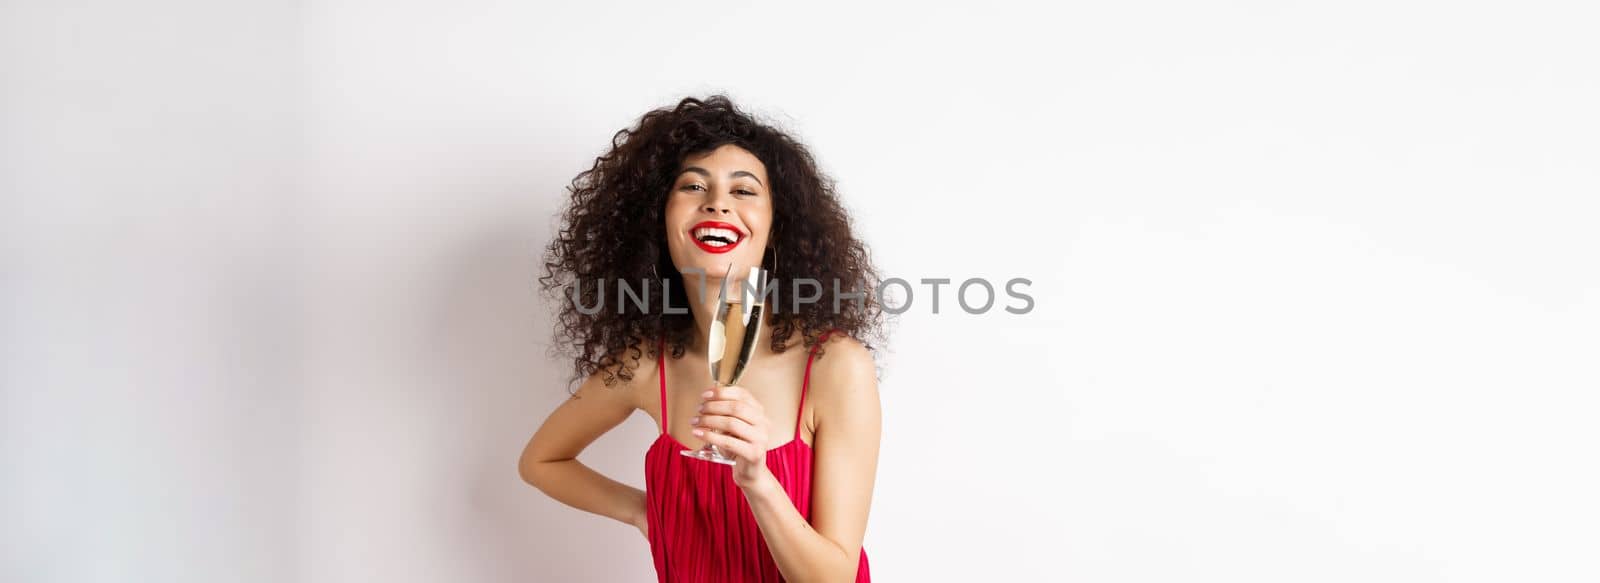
(530, 470)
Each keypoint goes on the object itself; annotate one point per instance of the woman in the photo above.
(689, 191)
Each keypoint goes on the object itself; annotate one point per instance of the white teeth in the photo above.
(702, 233)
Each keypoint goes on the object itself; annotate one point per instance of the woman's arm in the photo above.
(844, 395)
(549, 462)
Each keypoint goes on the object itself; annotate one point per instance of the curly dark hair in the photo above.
(613, 230)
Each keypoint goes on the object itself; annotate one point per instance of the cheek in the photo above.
(676, 213)
(759, 219)
(671, 220)
(676, 209)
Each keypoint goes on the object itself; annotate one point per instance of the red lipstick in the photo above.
(710, 247)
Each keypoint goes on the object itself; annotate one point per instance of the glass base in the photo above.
(709, 453)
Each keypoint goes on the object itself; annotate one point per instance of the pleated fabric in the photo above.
(701, 527)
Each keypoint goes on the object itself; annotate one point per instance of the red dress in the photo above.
(701, 527)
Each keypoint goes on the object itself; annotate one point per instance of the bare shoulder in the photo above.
(593, 409)
(844, 374)
(610, 383)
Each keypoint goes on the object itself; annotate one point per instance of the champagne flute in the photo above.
(731, 341)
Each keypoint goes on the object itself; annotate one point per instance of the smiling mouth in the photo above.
(715, 237)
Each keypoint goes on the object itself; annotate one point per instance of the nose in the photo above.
(717, 205)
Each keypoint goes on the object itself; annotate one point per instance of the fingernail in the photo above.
(694, 420)
(706, 394)
(698, 433)
(702, 409)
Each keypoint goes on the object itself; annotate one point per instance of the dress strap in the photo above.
(661, 373)
(805, 385)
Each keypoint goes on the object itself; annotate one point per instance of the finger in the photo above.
(741, 409)
(729, 444)
(733, 395)
(727, 393)
(733, 425)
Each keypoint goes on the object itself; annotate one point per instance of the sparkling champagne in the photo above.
(733, 339)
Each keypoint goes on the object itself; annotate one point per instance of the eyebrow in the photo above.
(736, 173)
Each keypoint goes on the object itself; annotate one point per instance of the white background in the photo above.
(1316, 289)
